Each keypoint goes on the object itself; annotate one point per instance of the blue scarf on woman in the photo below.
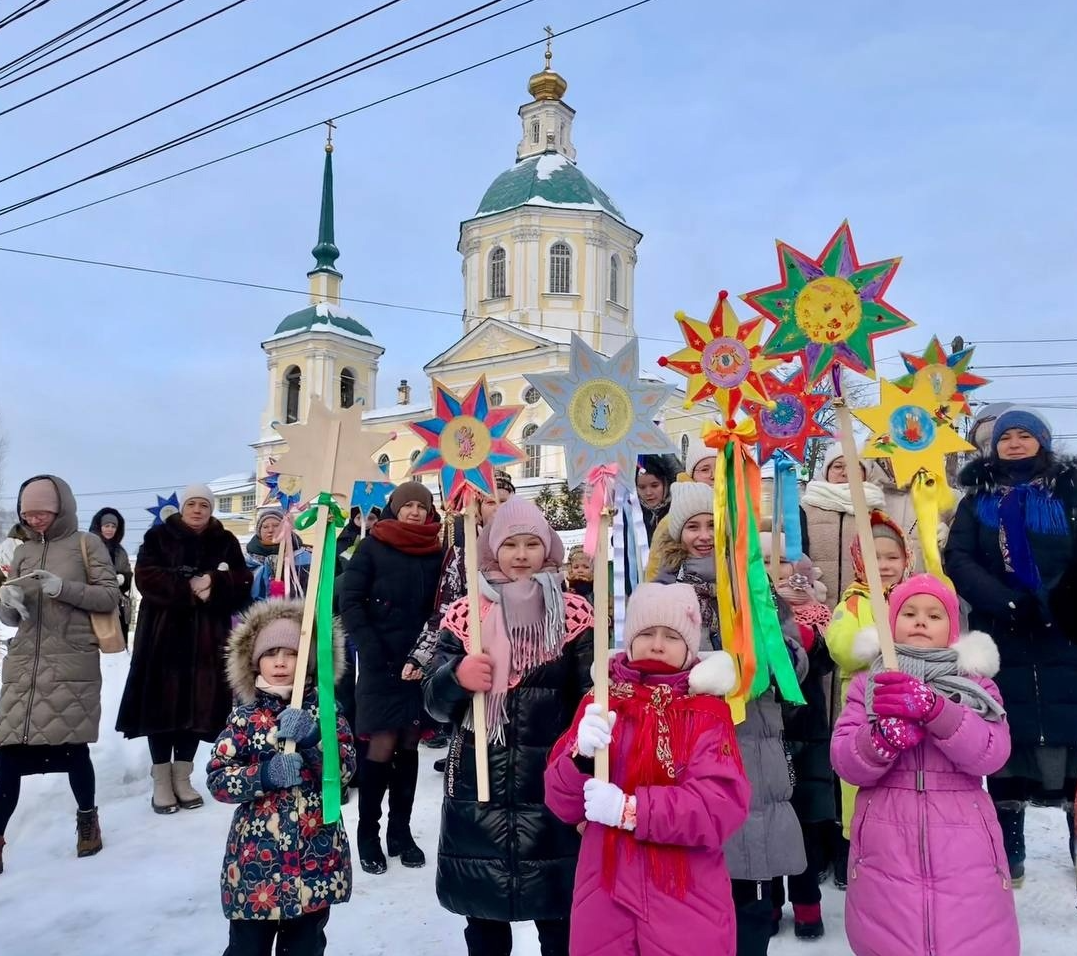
(1019, 504)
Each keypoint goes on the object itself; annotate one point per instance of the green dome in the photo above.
(547, 180)
(321, 317)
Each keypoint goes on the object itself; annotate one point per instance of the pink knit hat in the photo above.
(926, 584)
(280, 632)
(671, 605)
(519, 516)
(39, 495)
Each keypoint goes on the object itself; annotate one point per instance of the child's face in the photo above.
(697, 536)
(277, 666)
(652, 490)
(488, 506)
(660, 643)
(704, 472)
(580, 569)
(922, 622)
(891, 558)
(521, 556)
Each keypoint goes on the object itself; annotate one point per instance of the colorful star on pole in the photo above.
(603, 412)
(948, 375)
(164, 509)
(285, 490)
(829, 309)
(789, 422)
(466, 440)
(913, 429)
(723, 359)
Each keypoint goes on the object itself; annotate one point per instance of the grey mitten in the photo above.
(51, 584)
(298, 725)
(12, 596)
(282, 771)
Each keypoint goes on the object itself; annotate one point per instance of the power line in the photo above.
(24, 10)
(204, 89)
(310, 126)
(113, 62)
(284, 97)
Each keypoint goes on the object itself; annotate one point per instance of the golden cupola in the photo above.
(549, 84)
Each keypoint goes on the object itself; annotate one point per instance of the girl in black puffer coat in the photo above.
(510, 859)
(387, 594)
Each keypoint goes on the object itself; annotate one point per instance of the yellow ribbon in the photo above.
(929, 493)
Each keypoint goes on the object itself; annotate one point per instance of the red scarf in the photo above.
(415, 539)
(658, 724)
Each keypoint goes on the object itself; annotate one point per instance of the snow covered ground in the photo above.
(153, 889)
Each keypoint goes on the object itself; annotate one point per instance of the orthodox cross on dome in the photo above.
(549, 45)
(329, 127)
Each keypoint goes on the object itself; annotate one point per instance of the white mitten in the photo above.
(51, 584)
(604, 803)
(11, 596)
(595, 731)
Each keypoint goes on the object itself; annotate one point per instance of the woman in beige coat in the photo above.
(50, 699)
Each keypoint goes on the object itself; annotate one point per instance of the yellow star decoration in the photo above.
(331, 451)
(913, 429)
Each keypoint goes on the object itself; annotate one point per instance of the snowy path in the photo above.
(153, 890)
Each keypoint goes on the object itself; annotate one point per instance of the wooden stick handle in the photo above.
(863, 531)
(776, 528)
(474, 630)
(602, 635)
(310, 607)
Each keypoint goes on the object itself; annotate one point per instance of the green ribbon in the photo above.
(771, 655)
(323, 627)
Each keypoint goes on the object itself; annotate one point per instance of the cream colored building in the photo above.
(546, 254)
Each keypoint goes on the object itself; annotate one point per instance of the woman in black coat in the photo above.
(388, 592)
(510, 859)
(192, 577)
(1025, 596)
(109, 526)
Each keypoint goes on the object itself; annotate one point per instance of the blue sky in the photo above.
(943, 132)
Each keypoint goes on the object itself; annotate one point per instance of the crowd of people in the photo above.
(706, 828)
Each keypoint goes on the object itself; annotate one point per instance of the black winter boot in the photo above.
(1011, 818)
(1068, 807)
(375, 780)
(402, 782)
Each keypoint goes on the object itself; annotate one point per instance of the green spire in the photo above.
(325, 252)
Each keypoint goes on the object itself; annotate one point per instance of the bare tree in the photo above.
(859, 392)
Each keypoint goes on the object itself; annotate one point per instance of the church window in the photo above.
(561, 133)
(684, 448)
(496, 398)
(248, 502)
(535, 132)
(497, 273)
(560, 267)
(615, 278)
(414, 456)
(533, 461)
(383, 464)
(291, 395)
(347, 388)
(532, 395)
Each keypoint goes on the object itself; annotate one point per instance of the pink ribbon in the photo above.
(284, 537)
(600, 482)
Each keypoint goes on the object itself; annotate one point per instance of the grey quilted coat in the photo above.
(51, 690)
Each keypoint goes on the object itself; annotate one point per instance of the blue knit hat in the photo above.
(1025, 418)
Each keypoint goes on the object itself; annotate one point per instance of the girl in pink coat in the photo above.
(927, 868)
(651, 878)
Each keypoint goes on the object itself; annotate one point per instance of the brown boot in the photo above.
(164, 797)
(89, 831)
(188, 797)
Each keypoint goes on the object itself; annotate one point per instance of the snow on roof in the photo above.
(232, 484)
(414, 410)
(548, 164)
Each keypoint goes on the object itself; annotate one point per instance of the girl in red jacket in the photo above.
(651, 876)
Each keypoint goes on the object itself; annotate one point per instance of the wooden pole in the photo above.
(602, 633)
(863, 530)
(776, 529)
(474, 630)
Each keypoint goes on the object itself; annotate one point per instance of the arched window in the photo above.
(684, 448)
(497, 273)
(535, 131)
(291, 395)
(496, 398)
(560, 267)
(347, 388)
(615, 278)
(414, 456)
(383, 464)
(532, 395)
(533, 461)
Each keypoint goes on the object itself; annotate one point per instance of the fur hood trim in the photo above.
(715, 674)
(977, 655)
(241, 673)
(866, 645)
(980, 474)
(668, 554)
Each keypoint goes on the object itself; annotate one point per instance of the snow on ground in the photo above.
(153, 889)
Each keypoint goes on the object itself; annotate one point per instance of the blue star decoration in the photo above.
(603, 413)
(371, 494)
(164, 509)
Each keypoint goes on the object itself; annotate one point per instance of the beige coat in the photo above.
(51, 690)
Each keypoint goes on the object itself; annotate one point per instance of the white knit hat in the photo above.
(696, 453)
(196, 491)
(833, 453)
(688, 498)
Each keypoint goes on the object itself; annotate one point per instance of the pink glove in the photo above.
(899, 695)
(891, 735)
(476, 672)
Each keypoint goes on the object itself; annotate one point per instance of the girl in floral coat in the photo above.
(283, 866)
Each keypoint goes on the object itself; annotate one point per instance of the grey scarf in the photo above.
(937, 667)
